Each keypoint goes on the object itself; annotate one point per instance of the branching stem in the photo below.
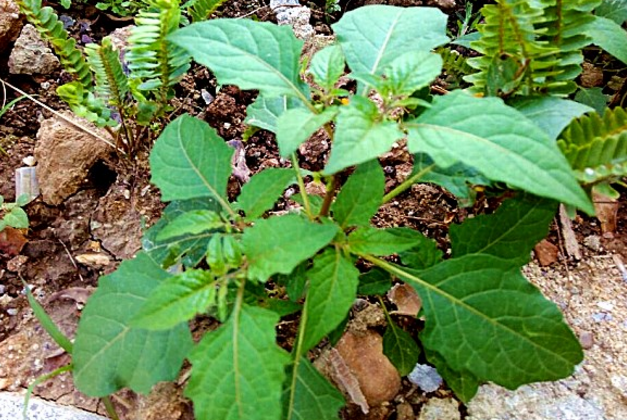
(407, 183)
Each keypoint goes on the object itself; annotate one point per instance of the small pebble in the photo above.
(12, 311)
(606, 306)
(601, 316)
(586, 339)
(29, 160)
(425, 377)
(3, 289)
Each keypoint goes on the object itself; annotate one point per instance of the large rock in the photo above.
(31, 54)
(65, 154)
(10, 23)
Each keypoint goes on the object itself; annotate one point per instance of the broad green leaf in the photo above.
(359, 136)
(238, 370)
(327, 66)
(608, 35)
(458, 178)
(484, 317)
(499, 142)
(550, 113)
(190, 160)
(613, 9)
(190, 223)
(295, 282)
(510, 233)
(413, 71)
(374, 282)
(309, 395)
(333, 281)
(400, 348)
(426, 254)
(189, 248)
(279, 244)
(251, 55)
(265, 112)
(176, 300)
(295, 126)
(593, 97)
(464, 384)
(369, 240)
(16, 218)
(108, 353)
(264, 188)
(360, 197)
(372, 36)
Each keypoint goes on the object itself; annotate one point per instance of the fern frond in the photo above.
(45, 20)
(111, 82)
(201, 9)
(84, 104)
(153, 59)
(454, 64)
(596, 146)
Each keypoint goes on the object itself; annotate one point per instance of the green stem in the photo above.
(301, 187)
(39, 380)
(296, 355)
(407, 183)
(110, 408)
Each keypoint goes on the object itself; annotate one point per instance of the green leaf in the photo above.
(372, 36)
(484, 317)
(23, 200)
(265, 112)
(16, 218)
(238, 370)
(47, 323)
(369, 240)
(360, 136)
(108, 353)
(510, 233)
(426, 254)
(412, 71)
(374, 282)
(271, 248)
(550, 113)
(295, 126)
(360, 197)
(400, 348)
(191, 223)
(613, 9)
(176, 300)
(251, 55)
(311, 394)
(190, 160)
(191, 248)
(327, 66)
(499, 142)
(464, 384)
(608, 35)
(333, 281)
(593, 97)
(264, 188)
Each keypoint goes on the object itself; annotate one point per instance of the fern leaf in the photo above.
(596, 146)
(111, 82)
(201, 9)
(84, 104)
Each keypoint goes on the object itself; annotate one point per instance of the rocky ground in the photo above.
(94, 206)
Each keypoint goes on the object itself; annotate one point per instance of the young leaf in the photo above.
(510, 233)
(484, 317)
(47, 323)
(190, 160)
(176, 300)
(400, 348)
(426, 254)
(360, 197)
(271, 248)
(333, 281)
(369, 240)
(412, 71)
(499, 142)
(265, 112)
(327, 66)
(550, 113)
(389, 30)
(238, 370)
(261, 192)
(190, 223)
(360, 136)
(295, 126)
(108, 353)
(251, 55)
(309, 395)
(16, 218)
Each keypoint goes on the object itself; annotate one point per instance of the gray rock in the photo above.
(11, 23)
(31, 55)
(12, 404)
(425, 377)
(440, 409)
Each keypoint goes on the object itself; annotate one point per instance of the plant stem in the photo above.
(301, 187)
(110, 408)
(328, 197)
(407, 183)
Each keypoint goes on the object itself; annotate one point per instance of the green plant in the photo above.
(12, 213)
(483, 320)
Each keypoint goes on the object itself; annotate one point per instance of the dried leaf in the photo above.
(406, 299)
